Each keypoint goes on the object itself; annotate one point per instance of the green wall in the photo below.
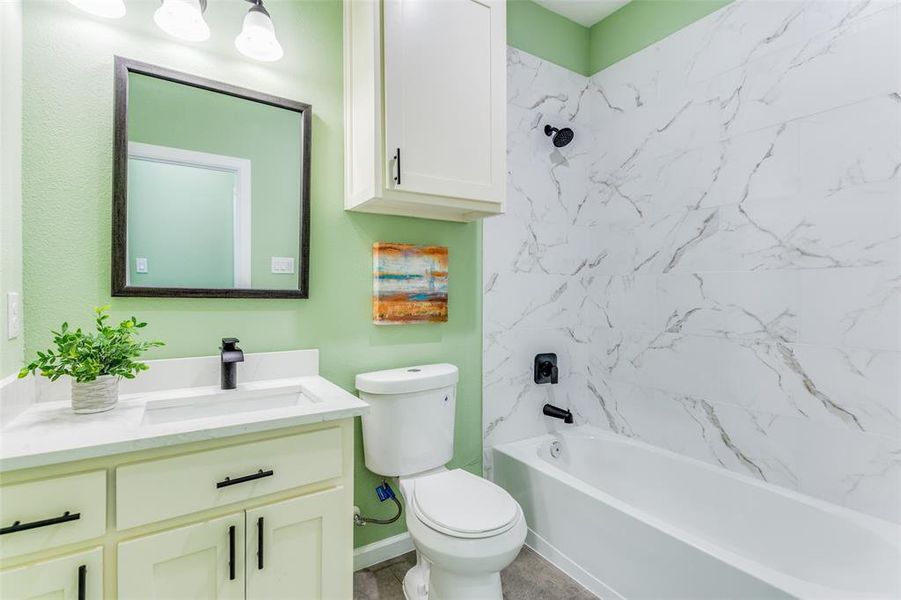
(637, 25)
(68, 87)
(10, 175)
(641, 23)
(169, 114)
(547, 35)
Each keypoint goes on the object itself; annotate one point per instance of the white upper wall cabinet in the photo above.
(425, 107)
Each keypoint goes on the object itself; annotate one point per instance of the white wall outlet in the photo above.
(141, 265)
(13, 315)
(282, 264)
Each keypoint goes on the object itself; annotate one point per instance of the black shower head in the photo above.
(561, 136)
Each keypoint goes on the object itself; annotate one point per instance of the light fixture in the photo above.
(183, 19)
(110, 9)
(257, 37)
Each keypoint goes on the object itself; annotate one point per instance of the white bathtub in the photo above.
(633, 521)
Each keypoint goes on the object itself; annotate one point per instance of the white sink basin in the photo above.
(202, 404)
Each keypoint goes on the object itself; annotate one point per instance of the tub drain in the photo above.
(555, 449)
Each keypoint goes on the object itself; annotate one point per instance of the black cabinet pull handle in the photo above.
(20, 526)
(260, 543)
(231, 553)
(82, 581)
(258, 475)
(397, 158)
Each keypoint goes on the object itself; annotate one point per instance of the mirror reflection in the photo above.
(215, 193)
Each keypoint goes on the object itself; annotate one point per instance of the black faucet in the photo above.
(230, 356)
(558, 413)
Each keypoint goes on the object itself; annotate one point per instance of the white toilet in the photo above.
(465, 528)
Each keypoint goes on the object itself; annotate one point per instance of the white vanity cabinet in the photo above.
(73, 577)
(257, 516)
(280, 550)
(193, 482)
(48, 513)
(289, 548)
(204, 560)
(425, 107)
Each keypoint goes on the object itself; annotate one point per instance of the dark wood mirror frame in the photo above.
(123, 67)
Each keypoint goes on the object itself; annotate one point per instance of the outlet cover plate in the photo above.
(13, 315)
(283, 264)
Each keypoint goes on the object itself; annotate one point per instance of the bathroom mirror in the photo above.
(210, 188)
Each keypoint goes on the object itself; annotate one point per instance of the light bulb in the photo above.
(257, 37)
(110, 9)
(183, 19)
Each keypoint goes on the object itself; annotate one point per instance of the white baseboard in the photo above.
(562, 562)
(382, 550)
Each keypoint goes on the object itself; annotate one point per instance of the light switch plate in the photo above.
(141, 265)
(282, 264)
(13, 315)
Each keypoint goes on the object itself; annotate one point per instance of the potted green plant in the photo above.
(95, 361)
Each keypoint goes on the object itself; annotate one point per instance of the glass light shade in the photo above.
(257, 37)
(182, 19)
(110, 9)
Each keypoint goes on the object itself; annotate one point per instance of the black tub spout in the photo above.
(558, 413)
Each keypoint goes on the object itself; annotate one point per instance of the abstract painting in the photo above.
(409, 284)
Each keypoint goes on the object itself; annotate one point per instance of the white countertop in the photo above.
(50, 432)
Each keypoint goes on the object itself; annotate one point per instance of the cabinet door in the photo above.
(301, 548)
(202, 561)
(445, 97)
(61, 510)
(74, 577)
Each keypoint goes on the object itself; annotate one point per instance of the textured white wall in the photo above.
(739, 227)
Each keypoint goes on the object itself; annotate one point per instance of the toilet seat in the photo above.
(460, 504)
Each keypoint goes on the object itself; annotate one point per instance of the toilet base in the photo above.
(426, 582)
(445, 585)
(416, 581)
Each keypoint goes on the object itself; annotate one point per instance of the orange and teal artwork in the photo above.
(409, 284)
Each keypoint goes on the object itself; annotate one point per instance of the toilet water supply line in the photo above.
(384, 492)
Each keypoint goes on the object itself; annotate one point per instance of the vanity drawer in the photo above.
(38, 515)
(155, 490)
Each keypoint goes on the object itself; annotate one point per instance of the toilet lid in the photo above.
(461, 504)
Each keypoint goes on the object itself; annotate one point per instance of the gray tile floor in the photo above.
(530, 577)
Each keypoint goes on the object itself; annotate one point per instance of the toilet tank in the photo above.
(410, 425)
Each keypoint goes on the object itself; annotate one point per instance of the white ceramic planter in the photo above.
(95, 396)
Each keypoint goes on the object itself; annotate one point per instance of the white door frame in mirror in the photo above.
(240, 167)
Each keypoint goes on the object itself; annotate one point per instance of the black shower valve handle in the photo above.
(548, 369)
(545, 370)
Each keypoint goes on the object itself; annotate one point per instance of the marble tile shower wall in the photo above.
(724, 281)
(538, 256)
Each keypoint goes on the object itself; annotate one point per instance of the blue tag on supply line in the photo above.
(384, 491)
